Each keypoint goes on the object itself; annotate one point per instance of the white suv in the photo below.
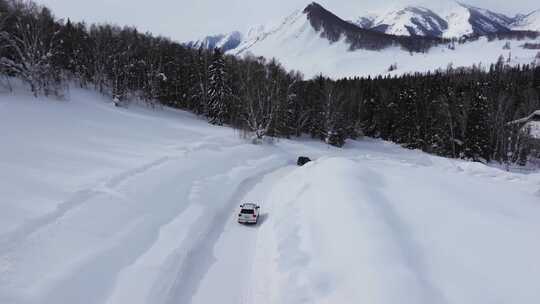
(249, 214)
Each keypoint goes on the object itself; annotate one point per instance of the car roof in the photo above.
(249, 206)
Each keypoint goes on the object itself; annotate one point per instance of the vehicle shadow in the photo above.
(263, 217)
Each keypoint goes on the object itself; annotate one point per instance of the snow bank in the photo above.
(378, 233)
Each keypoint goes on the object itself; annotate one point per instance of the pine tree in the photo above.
(219, 93)
(334, 131)
(536, 77)
(407, 121)
(477, 145)
(316, 100)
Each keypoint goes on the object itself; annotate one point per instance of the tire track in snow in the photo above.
(160, 288)
(10, 240)
(236, 250)
(93, 278)
(104, 267)
(200, 257)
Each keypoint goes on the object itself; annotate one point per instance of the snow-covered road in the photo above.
(107, 205)
(229, 278)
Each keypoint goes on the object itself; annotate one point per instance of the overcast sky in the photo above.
(184, 20)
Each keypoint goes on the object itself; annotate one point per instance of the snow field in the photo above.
(109, 205)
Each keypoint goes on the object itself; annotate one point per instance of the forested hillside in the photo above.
(456, 113)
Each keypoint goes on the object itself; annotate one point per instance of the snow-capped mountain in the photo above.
(413, 39)
(451, 20)
(316, 24)
(316, 41)
(447, 19)
(225, 42)
(530, 22)
(485, 21)
(411, 21)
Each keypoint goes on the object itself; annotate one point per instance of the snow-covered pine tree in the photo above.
(200, 93)
(335, 132)
(118, 77)
(100, 37)
(407, 121)
(316, 96)
(536, 77)
(67, 45)
(219, 93)
(368, 121)
(443, 124)
(153, 76)
(290, 118)
(476, 145)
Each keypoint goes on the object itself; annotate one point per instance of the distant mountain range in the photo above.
(530, 22)
(454, 20)
(417, 38)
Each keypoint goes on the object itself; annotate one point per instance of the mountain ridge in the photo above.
(225, 42)
(334, 28)
(455, 21)
(315, 40)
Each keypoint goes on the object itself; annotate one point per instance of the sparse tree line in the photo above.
(460, 113)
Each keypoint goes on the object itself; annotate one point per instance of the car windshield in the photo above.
(247, 211)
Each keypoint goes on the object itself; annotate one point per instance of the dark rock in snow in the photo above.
(302, 160)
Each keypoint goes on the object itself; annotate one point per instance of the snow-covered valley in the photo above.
(101, 204)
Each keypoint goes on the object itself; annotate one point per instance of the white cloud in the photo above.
(189, 19)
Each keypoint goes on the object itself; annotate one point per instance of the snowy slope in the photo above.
(223, 41)
(286, 30)
(457, 17)
(484, 21)
(441, 19)
(111, 205)
(409, 21)
(530, 22)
